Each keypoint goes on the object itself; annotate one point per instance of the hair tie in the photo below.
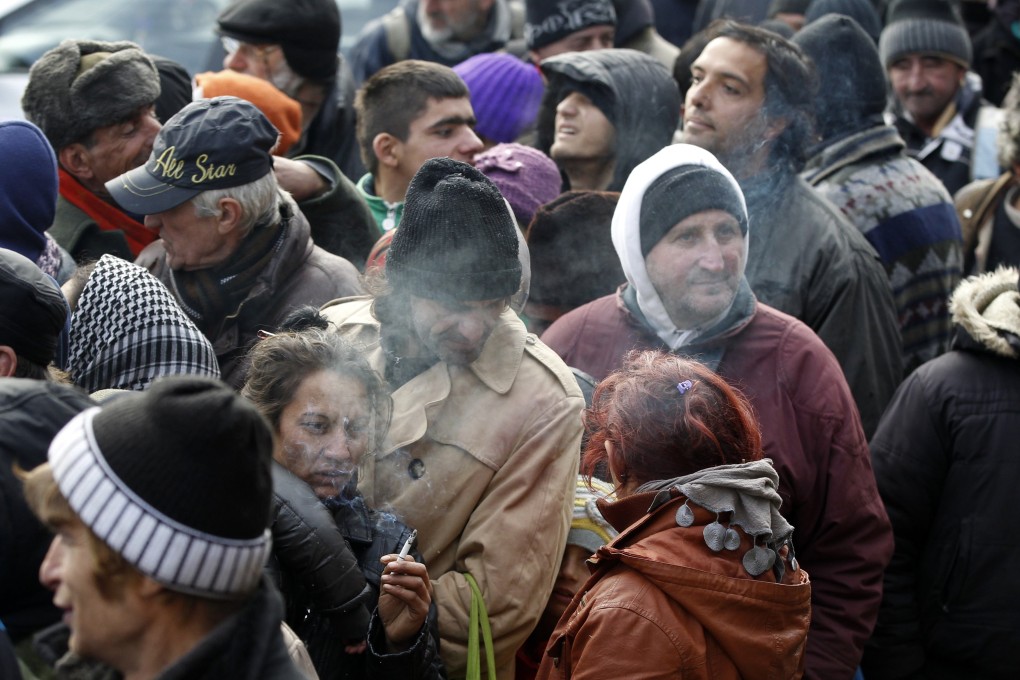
(684, 386)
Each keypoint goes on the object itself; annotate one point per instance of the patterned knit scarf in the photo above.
(128, 330)
(208, 296)
(107, 216)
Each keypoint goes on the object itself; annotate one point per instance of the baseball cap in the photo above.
(210, 144)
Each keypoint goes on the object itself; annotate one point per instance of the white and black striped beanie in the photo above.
(177, 481)
(924, 27)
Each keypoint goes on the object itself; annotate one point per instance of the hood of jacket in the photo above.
(986, 311)
(645, 101)
(29, 179)
(626, 233)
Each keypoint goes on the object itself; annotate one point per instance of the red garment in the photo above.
(106, 215)
(811, 431)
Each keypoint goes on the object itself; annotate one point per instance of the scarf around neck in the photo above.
(210, 295)
(107, 216)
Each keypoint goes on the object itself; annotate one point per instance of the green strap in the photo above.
(479, 615)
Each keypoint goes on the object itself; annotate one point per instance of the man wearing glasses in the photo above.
(295, 47)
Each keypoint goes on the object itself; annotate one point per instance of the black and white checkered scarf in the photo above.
(128, 330)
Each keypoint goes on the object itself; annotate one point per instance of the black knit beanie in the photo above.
(861, 11)
(787, 7)
(681, 192)
(177, 481)
(927, 27)
(847, 62)
(456, 238)
(548, 21)
(307, 30)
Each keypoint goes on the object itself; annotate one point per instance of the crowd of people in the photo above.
(533, 339)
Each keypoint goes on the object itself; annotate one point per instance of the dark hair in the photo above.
(791, 84)
(392, 98)
(281, 362)
(667, 416)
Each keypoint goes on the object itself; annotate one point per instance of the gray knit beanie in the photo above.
(456, 238)
(82, 85)
(927, 27)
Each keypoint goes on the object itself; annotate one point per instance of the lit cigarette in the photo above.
(408, 543)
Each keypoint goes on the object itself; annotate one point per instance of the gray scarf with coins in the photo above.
(746, 490)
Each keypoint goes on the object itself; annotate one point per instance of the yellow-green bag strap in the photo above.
(479, 619)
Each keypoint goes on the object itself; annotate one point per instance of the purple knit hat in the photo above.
(526, 177)
(494, 79)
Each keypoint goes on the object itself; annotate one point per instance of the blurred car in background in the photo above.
(182, 30)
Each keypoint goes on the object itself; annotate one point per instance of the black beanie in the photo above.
(548, 21)
(927, 27)
(847, 62)
(175, 87)
(861, 11)
(681, 192)
(177, 481)
(456, 238)
(32, 309)
(307, 30)
(787, 7)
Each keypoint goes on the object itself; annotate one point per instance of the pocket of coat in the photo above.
(955, 576)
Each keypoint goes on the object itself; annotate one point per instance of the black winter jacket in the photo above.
(945, 458)
(31, 414)
(326, 561)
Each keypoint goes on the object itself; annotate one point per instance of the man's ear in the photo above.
(77, 160)
(148, 587)
(231, 213)
(387, 149)
(8, 361)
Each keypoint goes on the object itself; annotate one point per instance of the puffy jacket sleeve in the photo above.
(308, 544)
(911, 462)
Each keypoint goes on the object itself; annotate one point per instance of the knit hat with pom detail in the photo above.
(456, 239)
(177, 481)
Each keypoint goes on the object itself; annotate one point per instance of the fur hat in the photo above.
(925, 27)
(572, 256)
(82, 85)
(456, 238)
(308, 31)
(192, 512)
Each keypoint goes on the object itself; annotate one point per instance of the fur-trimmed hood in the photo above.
(987, 308)
(82, 85)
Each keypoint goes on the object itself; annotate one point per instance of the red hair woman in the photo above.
(702, 581)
